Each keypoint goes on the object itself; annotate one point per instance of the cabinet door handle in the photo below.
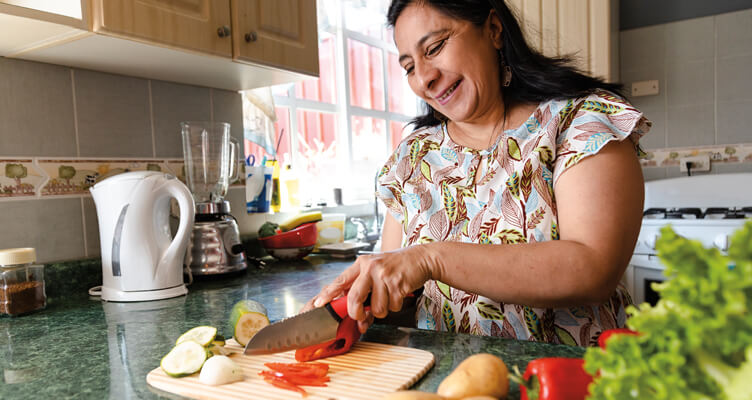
(223, 31)
(251, 37)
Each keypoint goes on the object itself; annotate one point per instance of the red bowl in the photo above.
(302, 236)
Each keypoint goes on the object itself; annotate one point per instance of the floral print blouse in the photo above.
(429, 184)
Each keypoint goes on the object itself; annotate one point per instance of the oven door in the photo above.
(644, 270)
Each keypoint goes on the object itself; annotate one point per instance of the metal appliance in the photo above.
(211, 159)
(141, 260)
(708, 208)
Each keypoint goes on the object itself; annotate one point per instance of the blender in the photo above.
(211, 159)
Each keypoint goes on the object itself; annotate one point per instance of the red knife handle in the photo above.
(338, 306)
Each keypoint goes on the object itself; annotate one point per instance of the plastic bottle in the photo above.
(276, 203)
(291, 188)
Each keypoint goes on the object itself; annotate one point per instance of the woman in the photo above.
(496, 206)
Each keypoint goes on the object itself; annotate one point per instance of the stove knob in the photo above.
(721, 242)
(650, 241)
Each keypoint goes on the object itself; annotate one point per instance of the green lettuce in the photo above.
(696, 342)
(268, 229)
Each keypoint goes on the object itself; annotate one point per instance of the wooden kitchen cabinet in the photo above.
(585, 29)
(198, 25)
(188, 41)
(278, 33)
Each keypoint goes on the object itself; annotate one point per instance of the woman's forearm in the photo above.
(546, 274)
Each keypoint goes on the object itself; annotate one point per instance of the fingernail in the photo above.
(318, 302)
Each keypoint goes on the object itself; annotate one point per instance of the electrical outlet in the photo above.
(698, 163)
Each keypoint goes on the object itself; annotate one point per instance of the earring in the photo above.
(506, 75)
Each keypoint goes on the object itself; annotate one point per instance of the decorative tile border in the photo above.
(732, 153)
(38, 177)
(20, 177)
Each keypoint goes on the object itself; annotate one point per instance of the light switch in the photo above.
(645, 88)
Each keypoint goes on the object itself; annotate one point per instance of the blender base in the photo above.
(215, 246)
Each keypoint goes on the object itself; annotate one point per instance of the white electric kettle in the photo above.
(140, 258)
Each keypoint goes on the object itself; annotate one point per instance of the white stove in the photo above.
(708, 208)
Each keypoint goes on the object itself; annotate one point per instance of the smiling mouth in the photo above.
(448, 93)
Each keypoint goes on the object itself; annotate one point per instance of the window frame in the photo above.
(342, 108)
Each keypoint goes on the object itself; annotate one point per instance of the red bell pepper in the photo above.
(314, 370)
(605, 335)
(296, 379)
(283, 383)
(347, 335)
(291, 376)
(554, 378)
(347, 332)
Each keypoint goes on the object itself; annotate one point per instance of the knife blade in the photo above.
(305, 329)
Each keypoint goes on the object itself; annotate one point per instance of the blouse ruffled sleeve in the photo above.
(593, 122)
(388, 187)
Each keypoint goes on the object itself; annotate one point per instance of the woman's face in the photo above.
(450, 63)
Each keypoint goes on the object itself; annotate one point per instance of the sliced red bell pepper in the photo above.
(347, 335)
(298, 380)
(554, 378)
(283, 383)
(315, 370)
(605, 335)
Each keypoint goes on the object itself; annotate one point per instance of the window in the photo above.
(340, 128)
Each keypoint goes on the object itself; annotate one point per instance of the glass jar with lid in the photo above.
(21, 282)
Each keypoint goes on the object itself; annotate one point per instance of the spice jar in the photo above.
(21, 282)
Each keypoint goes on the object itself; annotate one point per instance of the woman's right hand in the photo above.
(389, 277)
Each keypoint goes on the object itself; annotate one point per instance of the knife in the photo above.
(314, 326)
(305, 329)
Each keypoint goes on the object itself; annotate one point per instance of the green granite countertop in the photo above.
(81, 347)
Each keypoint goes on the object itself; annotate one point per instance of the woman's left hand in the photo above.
(389, 277)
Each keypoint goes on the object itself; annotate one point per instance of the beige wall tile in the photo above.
(731, 168)
(734, 33)
(734, 78)
(36, 110)
(113, 115)
(653, 173)
(172, 104)
(690, 82)
(228, 107)
(656, 138)
(53, 227)
(690, 126)
(734, 122)
(690, 39)
(644, 46)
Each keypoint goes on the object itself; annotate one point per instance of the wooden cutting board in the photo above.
(367, 371)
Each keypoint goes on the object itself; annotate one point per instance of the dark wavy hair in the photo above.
(535, 77)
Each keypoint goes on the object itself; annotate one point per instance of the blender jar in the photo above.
(211, 157)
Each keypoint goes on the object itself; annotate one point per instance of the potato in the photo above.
(478, 375)
(411, 395)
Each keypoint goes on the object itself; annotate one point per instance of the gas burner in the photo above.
(684, 213)
(717, 212)
(673, 213)
(728, 213)
(654, 213)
